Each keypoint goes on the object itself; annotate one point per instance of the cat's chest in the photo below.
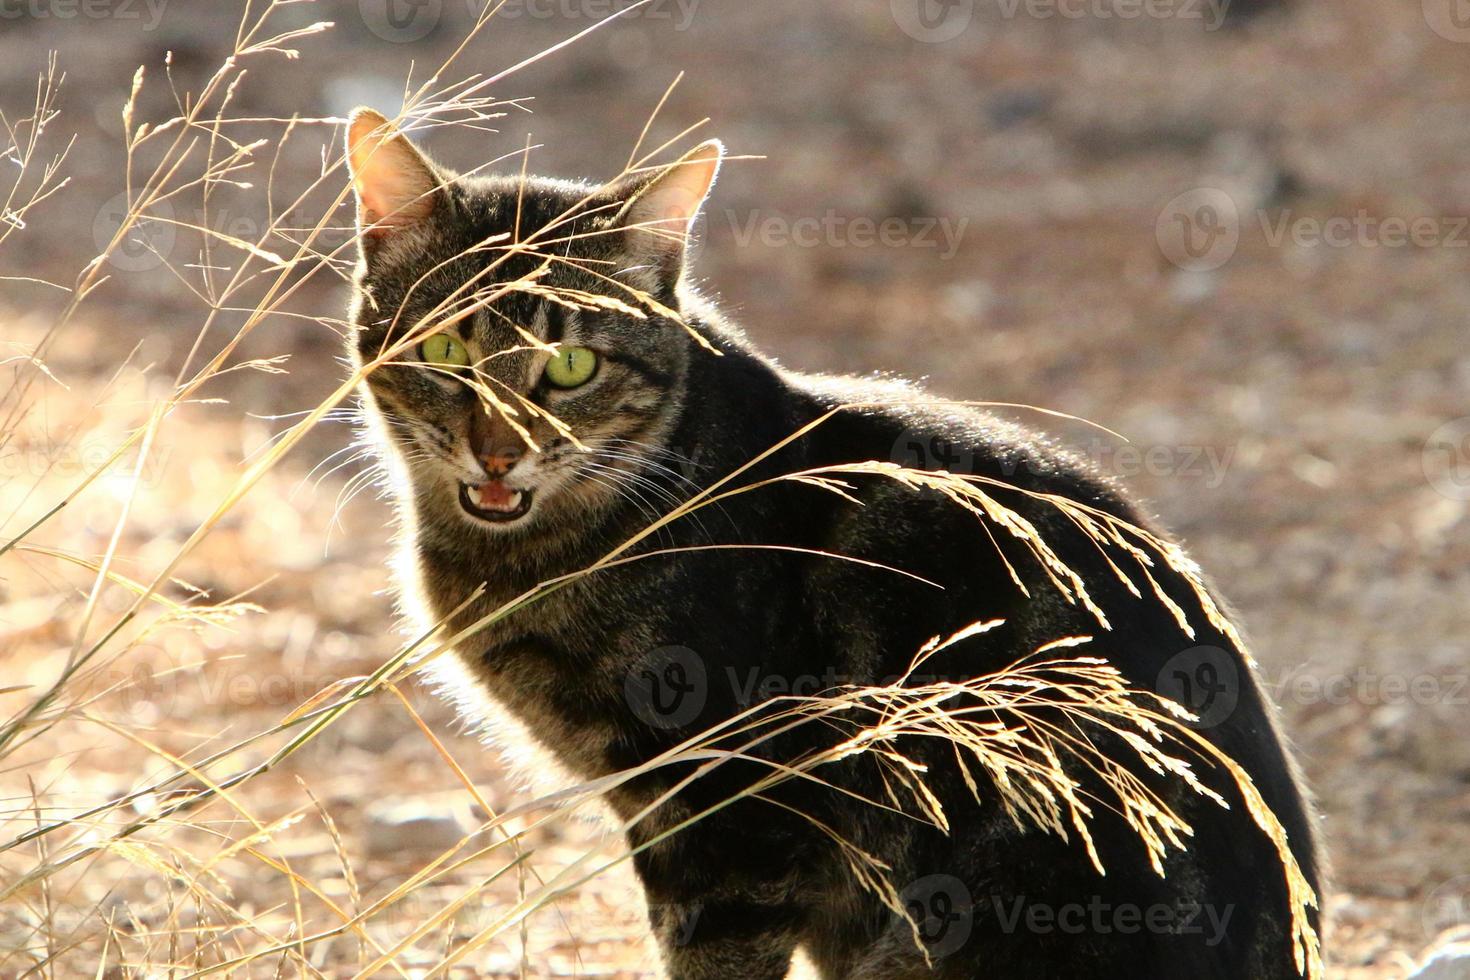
(566, 711)
(554, 669)
(607, 670)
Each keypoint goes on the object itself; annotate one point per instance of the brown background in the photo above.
(1281, 405)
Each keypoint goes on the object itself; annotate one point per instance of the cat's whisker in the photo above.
(694, 487)
(651, 449)
(671, 499)
(356, 451)
(345, 416)
(629, 494)
(375, 475)
(633, 479)
(648, 469)
(645, 460)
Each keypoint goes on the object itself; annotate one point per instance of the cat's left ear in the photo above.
(657, 219)
(397, 186)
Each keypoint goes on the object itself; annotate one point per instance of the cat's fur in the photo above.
(734, 894)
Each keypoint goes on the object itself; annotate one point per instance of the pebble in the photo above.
(408, 827)
(1450, 963)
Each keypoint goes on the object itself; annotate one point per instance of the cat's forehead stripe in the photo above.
(555, 318)
(541, 326)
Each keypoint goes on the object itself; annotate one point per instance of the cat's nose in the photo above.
(500, 459)
(494, 442)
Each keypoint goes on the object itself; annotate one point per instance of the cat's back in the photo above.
(890, 420)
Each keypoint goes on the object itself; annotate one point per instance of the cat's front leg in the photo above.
(723, 939)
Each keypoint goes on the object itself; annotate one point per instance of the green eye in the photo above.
(571, 367)
(445, 350)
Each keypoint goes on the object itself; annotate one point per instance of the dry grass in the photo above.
(205, 851)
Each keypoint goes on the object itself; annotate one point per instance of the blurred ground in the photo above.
(1286, 348)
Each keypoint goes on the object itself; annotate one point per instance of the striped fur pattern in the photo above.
(614, 669)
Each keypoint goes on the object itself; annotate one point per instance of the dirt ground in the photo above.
(1242, 244)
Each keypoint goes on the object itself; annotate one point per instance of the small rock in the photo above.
(1450, 963)
(397, 827)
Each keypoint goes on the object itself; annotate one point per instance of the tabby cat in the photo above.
(660, 397)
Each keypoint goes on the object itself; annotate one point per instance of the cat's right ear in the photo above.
(396, 185)
(661, 208)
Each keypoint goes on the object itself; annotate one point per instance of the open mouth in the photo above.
(494, 501)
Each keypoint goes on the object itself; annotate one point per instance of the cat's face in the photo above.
(522, 389)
